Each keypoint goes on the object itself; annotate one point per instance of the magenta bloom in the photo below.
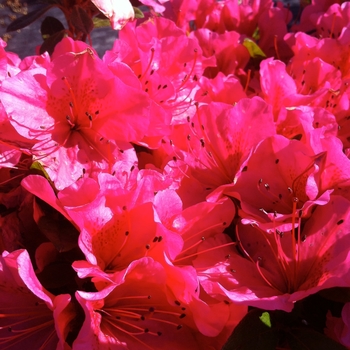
(220, 139)
(167, 62)
(81, 114)
(140, 312)
(274, 270)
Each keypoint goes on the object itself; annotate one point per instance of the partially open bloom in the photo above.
(274, 270)
(141, 312)
(77, 126)
(119, 12)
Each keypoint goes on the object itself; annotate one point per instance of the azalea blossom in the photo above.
(126, 316)
(72, 105)
(274, 270)
(198, 170)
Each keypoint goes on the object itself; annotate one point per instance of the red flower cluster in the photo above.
(201, 167)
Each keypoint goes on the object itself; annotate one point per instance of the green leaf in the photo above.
(308, 339)
(252, 333)
(138, 13)
(256, 34)
(25, 20)
(101, 22)
(265, 319)
(253, 48)
(36, 165)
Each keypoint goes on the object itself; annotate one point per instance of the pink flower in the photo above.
(75, 120)
(222, 88)
(119, 225)
(167, 62)
(231, 56)
(28, 313)
(274, 270)
(284, 175)
(140, 312)
(220, 138)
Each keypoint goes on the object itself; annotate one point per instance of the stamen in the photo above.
(149, 64)
(263, 276)
(69, 122)
(203, 251)
(73, 105)
(187, 76)
(198, 233)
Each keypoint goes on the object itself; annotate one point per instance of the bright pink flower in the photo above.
(231, 56)
(198, 223)
(140, 312)
(227, 89)
(9, 62)
(312, 83)
(272, 26)
(274, 270)
(300, 122)
(78, 126)
(242, 17)
(167, 62)
(220, 139)
(311, 14)
(284, 175)
(229, 15)
(120, 225)
(28, 313)
(332, 22)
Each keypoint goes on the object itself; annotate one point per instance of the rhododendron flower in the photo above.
(274, 270)
(119, 12)
(28, 313)
(120, 225)
(167, 62)
(126, 316)
(231, 56)
(222, 88)
(74, 117)
(284, 175)
(220, 138)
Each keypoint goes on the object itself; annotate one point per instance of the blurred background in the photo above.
(24, 41)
